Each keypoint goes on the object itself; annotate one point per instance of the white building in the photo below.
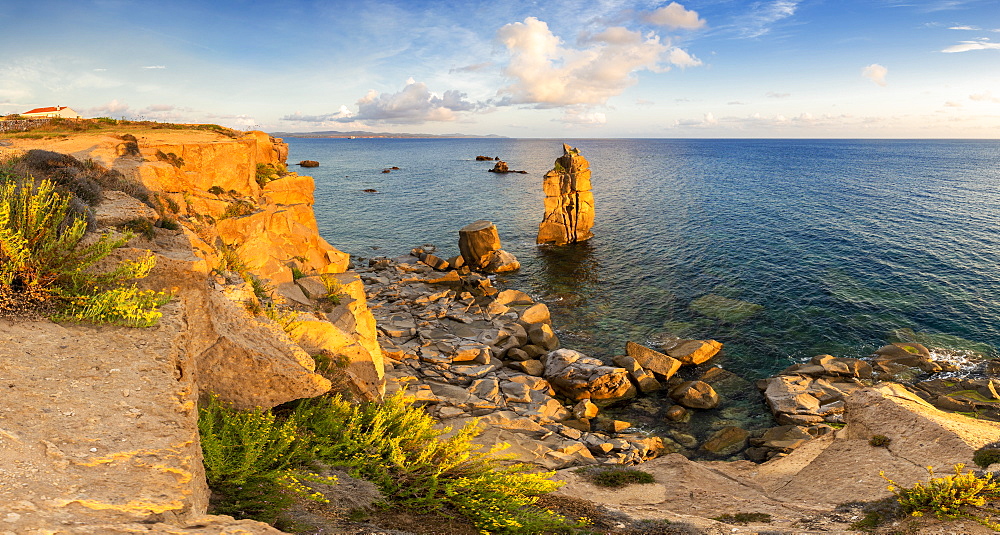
(55, 111)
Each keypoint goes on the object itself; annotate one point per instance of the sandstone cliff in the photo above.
(99, 433)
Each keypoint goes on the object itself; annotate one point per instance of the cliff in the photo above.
(99, 434)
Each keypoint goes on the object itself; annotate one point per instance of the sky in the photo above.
(552, 68)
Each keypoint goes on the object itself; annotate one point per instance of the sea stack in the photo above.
(569, 203)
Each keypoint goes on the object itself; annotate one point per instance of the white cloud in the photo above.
(965, 46)
(414, 104)
(984, 97)
(682, 59)
(154, 66)
(772, 94)
(472, 68)
(113, 108)
(875, 73)
(583, 117)
(548, 74)
(763, 15)
(675, 16)
(952, 104)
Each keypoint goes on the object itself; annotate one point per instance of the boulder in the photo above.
(911, 355)
(537, 313)
(478, 242)
(502, 262)
(642, 377)
(309, 163)
(569, 202)
(500, 167)
(726, 441)
(830, 366)
(662, 365)
(578, 377)
(692, 352)
(695, 395)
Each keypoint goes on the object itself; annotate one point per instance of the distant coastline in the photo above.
(378, 135)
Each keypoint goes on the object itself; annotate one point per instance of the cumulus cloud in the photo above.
(966, 46)
(675, 16)
(548, 74)
(415, 103)
(344, 113)
(875, 73)
(763, 15)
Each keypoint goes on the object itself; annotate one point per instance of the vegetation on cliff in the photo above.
(249, 457)
(45, 264)
(64, 127)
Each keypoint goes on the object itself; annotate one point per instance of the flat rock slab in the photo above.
(98, 426)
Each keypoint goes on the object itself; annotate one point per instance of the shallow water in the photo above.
(841, 243)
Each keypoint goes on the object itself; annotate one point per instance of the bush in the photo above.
(986, 456)
(170, 158)
(265, 174)
(743, 518)
(238, 208)
(879, 441)
(43, 265)
(397, 447)
(945, 496)
(616, 477)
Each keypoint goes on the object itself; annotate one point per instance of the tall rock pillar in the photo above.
(569, 203)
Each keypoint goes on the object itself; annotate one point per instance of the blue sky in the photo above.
(708, 68)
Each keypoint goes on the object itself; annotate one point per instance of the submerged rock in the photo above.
(724, 309)
(569, 201)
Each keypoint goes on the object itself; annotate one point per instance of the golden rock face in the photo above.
(569, 202)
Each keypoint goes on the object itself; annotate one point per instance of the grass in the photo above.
(102, 125)
(238, 208)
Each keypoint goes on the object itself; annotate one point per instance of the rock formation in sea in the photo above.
(569, 202)
(479, 243)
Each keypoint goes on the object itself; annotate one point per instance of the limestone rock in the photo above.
(118, 208)
(478, 241)
(569, 202)
(662, 365)
(643, 378)
(726, 441)
(693, 352)
(695, 395)
(578, 376)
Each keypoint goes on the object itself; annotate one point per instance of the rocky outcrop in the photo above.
(479, 243)
(569, 202)
(308, 163)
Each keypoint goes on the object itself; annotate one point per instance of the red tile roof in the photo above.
(46, 110)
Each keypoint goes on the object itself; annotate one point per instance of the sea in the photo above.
(781, 249)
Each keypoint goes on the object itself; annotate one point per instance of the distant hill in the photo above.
(360, 134)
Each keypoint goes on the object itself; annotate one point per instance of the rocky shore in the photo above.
(101, 436)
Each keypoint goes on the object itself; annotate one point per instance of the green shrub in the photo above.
(141, 226)
(297, 273)
(216, 190)
(251, 459)
(43, 264)
(238, 208)
(230, 260)
(169, 224)
(616, 477)
(743, 518)
(945, 496)
(879, 441)
(170, 158)
(398, 447)
(265, 174)
(986, 456)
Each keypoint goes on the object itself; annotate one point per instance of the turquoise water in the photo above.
(839, 243)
